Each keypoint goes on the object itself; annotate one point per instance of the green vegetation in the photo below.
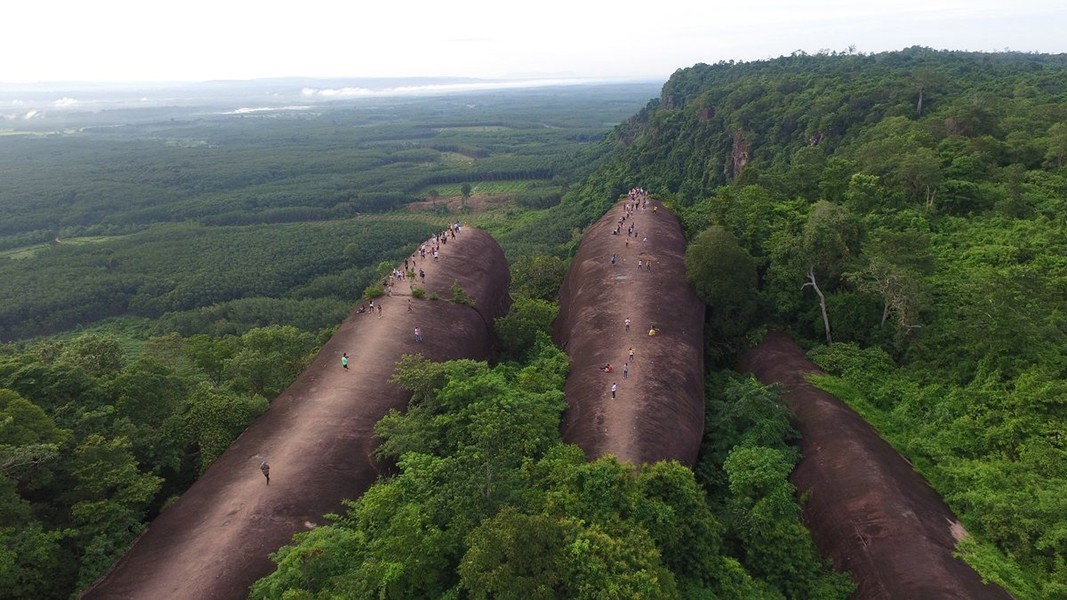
(902, 213)
(908, 207)
(94, 443)
(176, 273)
(488, 501)
(724, 277)
(211, 222)
(459, 296)
(484, 187)
(203, 257)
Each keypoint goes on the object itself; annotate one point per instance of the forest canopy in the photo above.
(907, 216)
(904, 214)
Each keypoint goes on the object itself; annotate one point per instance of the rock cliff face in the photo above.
(738, 155)
(867, 508)
(318, 437)
(658, 411)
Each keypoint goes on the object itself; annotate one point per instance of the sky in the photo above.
(201, 40)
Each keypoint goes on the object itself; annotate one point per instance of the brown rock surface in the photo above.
(867, 508)
(318, 437)
(658, 413)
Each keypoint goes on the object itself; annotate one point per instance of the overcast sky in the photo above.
(196, 40)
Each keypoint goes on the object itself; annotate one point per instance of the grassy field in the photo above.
(475, 128)
(31, 251)
(455, 158)
(483, 187)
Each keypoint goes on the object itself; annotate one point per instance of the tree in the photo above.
(321, 558)
(1057, 145)
(268, 359)
(919, 172)
(518, 330)
(97, 354)
(28, 436)
(864, 193)
(514, 555)
(32, 561)
(209, 419)
(806, 172)
(538, 276)
(893, 268)
(928, 81)
(108, 500)
(829, 239)
(777, 546)
(674, 510)
(724, 276)
(741, 412)
(145, 393)
(753, 213)
(616, 564)
(465, 191)
(23, 422)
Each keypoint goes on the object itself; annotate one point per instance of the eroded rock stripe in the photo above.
(317, 436)
(868, 510)
(630, 265)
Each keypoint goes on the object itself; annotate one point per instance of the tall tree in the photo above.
(724, 276)
(828, 241)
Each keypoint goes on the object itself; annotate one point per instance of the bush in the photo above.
(417, 292)
(374, 290)
(518, 330)
(459, 296)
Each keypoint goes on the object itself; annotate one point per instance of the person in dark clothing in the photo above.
(266, 470)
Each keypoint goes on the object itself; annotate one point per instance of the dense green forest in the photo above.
(190, 261)
(205, 219)
(489, 503)
(905, 213)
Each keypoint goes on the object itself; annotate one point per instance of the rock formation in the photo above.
(318, 437)
(868, 510)
(658, 412)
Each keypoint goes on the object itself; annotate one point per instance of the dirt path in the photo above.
(658, 411)
(868, 510)
(318, 437)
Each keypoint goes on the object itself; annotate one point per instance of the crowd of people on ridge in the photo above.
(637, 201)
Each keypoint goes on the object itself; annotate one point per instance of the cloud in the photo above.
(65, 102)
(32, 114)
(257, 109)
(346, 92)
(441, 88)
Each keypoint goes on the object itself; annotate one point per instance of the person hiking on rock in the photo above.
(344, 360)
(263, 466)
